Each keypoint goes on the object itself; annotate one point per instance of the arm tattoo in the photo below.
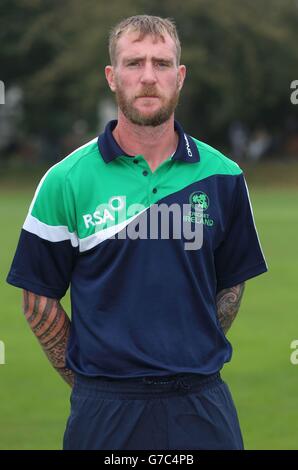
(51, 326)
(228, 303)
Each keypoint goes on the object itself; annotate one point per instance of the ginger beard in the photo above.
(154, 118)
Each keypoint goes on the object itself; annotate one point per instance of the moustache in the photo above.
(148, 92)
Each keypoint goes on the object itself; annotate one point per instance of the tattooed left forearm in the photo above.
(228, 303)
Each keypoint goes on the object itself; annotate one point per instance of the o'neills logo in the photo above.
(187, 146)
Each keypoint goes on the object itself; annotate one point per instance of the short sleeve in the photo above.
(48, 244)
(239, 256)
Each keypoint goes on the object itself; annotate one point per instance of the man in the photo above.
(147, 337)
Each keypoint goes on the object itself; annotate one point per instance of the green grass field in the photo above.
(34, 402)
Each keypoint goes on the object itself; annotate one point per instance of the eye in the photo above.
(163, 64)
(133, 63)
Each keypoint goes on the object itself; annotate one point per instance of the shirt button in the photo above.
(136, 161)
(154, 190)
(145, 172)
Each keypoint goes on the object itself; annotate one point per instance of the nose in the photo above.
(148, 75)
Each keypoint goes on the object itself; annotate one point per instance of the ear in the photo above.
(109, 73)
(181, 75)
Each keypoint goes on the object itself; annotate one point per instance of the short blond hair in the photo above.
(145, 25)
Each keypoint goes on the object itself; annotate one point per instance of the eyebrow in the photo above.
(155, 59)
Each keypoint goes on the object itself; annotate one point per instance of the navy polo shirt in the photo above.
(141, 303)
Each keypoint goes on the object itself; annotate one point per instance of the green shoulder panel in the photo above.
(53, 199)
(214, 162)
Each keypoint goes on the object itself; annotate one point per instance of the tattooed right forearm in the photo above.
(51, 326)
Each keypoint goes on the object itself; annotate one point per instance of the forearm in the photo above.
(51, 326)
(228, 303)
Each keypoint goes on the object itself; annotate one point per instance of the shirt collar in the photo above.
(186, 151)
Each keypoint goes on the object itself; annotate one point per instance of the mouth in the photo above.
(148, 96)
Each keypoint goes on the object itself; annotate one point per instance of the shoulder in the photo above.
(64, 167)
(52, 188)
(216, 160)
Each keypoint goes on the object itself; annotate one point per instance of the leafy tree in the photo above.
(241, 58)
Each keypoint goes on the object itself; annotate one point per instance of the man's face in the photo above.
(146, 78)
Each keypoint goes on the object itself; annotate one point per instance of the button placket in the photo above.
(146, 176)
(158, 176)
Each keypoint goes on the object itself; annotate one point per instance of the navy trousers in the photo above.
(182, 411)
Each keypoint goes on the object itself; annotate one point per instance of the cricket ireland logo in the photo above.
(199, 198)
(199, 202)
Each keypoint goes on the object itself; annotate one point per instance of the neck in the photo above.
(156, 144)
